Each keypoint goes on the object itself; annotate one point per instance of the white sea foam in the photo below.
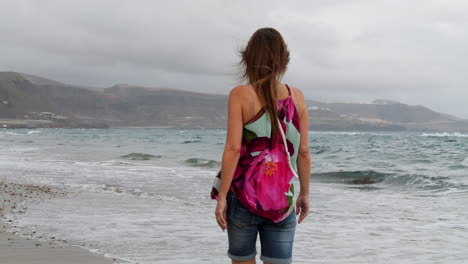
(444, 134)
(465, 162)
(349, 133)
(34, 132)
(120, 163)
(10, 133)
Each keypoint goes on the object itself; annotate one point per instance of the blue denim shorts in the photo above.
(276, 239)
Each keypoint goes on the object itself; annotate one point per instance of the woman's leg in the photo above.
(277, 240)
(242, 232)
(252, 261)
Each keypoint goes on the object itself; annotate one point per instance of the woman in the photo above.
(257, 196)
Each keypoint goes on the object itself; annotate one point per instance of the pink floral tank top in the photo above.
(263, 181)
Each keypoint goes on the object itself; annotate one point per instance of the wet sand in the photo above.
(24, 249)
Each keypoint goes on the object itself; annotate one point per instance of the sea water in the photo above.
(143, 194)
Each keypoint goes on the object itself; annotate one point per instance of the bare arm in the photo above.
(231, 153)
(303, 159)
(232, 147)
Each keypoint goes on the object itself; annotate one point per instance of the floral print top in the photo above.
(263, 180)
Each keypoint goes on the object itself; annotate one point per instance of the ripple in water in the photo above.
(198, 162)
(140, 156)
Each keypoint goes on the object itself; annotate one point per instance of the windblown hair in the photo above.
(264, 61)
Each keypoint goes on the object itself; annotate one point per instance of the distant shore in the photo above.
(33, 123)
(320, 125)
(16, 249)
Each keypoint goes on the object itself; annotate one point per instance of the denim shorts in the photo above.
(276, 239)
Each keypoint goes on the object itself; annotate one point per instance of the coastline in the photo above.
(16, 249)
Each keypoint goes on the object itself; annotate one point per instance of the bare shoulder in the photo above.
(298, 92)
(299, 95)
(239, 95)
(239, 91)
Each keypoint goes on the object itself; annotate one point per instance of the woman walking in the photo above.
(266, 120)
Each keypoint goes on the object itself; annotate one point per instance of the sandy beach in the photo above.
(23, 249)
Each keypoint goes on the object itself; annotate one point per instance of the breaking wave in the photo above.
(382, 179)
(140, 156)
(198, 162)
(191, 141)
(34, 132)
(444, 134)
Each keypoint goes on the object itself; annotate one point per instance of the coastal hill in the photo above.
(31, 101)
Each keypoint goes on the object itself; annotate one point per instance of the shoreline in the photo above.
(15, 248)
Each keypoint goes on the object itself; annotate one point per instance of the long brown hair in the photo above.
(264, 61)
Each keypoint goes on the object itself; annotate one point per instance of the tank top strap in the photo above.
(289, 89)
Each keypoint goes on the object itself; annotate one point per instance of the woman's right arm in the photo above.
(303, 159)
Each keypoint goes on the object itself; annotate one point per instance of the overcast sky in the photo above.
(414, 51)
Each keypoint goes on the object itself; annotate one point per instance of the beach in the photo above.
(14, 248)
(142, 196)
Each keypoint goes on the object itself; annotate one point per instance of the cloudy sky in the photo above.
(414, 51)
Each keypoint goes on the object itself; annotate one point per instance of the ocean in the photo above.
(142, 194)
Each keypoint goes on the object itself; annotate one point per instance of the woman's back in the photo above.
(254, 104)
(259, 121)
(264, 179)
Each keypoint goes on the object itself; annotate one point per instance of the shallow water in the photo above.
(143, 194)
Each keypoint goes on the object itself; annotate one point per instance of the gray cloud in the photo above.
(352, 50)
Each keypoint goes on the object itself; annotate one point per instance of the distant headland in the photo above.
(28, 101)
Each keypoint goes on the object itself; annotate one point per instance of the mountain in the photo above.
(31, 101)
(48, 103)
(382, 115)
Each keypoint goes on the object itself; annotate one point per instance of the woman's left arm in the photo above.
(231, 152)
